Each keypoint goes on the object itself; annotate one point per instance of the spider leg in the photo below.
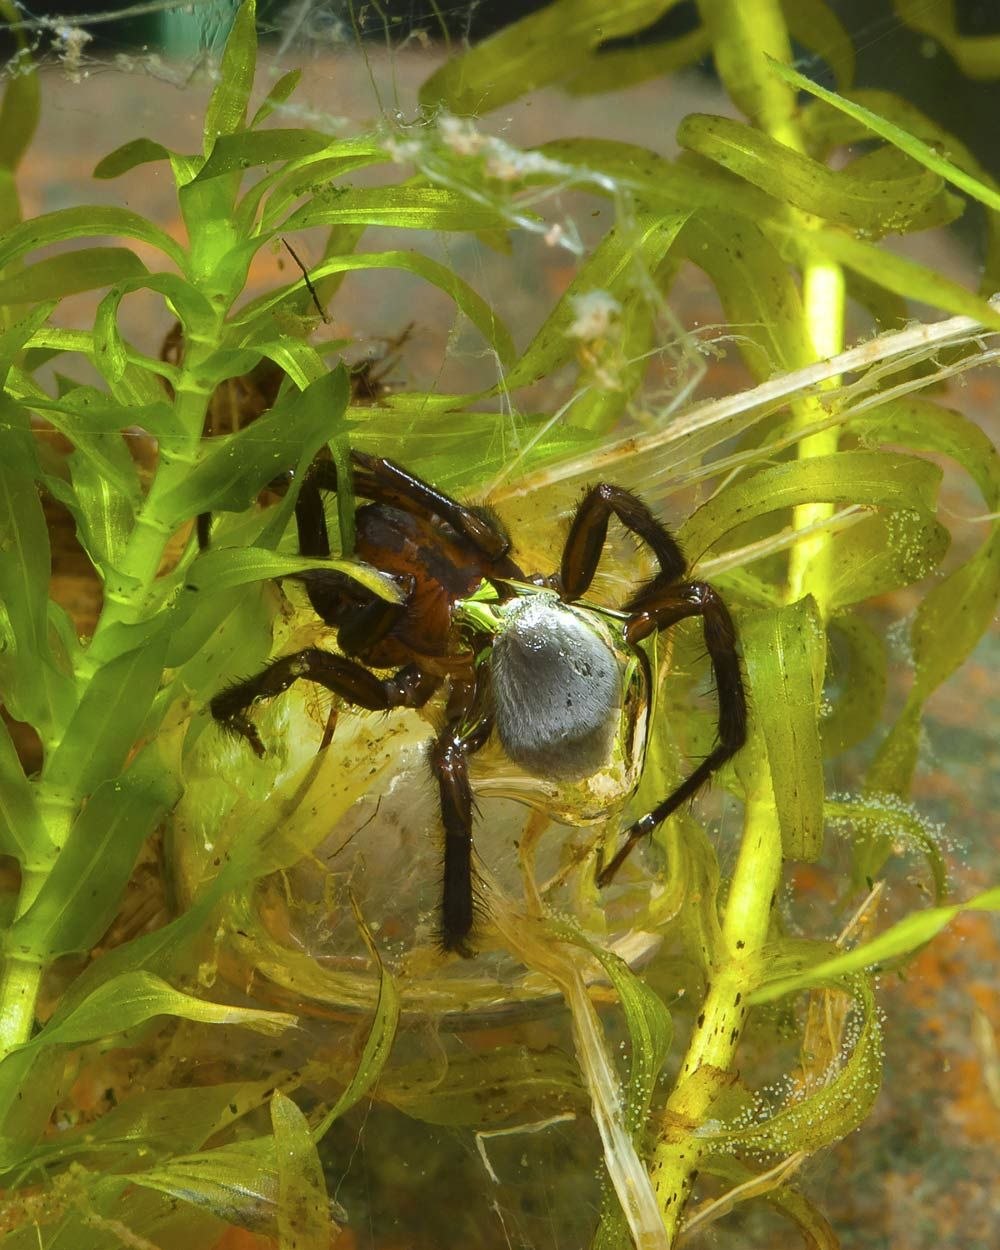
(589, 531)
(409, 687)
(659, 608)
(449, 758)
(384, 481)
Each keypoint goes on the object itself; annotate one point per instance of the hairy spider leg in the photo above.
(384, 481)
(589, 531)
(409, 687)
(658, 609)
(467, 729)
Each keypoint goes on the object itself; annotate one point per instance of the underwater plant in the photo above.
(239, 948)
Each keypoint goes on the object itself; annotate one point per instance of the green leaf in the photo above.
(303, 1207)
(408, 208)
(880, 553)
(887, 818)
(919, 151)
(259, 312)
(872, 205)
(896, 273)
(132, 999)
(103, 503)
(537, 50)
(156, 1122)
(104, 728)
(226, 112)
(34, 690)
(647, 1019)
(20, 104)
(882, 479)
(22, 834)
(898, 941)
(234, 469)
(80, 896)
(785, 654)
(619, 266)
(815, 25)
(130, 156)
(816, 1231)
(856, 662)
(14, 336)
(85, 222)
(757, 290)
(379, 1041)
(611, 69)
(250, 148)
(70, 273)
(222, 568)
(239, 1183)
(837, 1108)
(279, 93)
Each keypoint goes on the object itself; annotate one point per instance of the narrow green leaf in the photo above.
(279, 93)
(234, 469)
(379, 1041)
(882, 479)
(103, 504)
(815, 1230)
(129, 156)
(20, 103)
(156, 1123)
(303, 1207)
(902, 939)
(856, 662)
(835, 1109)
(22, 834)
(85, 222)
(222, 568)
(33, 688)
(70, 273)
(133, 998)
(815, 25)
(888, 818)
(755, 285)
(881, 553)
(250, 148)
(82, 893)
(14, 336)
(238, 1183)
(226, 112)
(408, 208)
(537, 50)
(613, 69)
(104, 728)
(896, 273)
(618, 266)
(875, 206)
(258, 313)
(976, 55)
(785, 654)
(919, 151)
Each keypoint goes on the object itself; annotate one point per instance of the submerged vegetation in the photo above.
(267, 986)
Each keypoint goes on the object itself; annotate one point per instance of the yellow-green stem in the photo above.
(711, 1052)
(823, 296)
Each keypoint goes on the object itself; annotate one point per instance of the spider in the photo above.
(526, 662)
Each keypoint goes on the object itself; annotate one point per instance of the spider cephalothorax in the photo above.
(525, 660)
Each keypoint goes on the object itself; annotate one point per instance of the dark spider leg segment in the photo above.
(383, 481)
(407, 688)
(589, 531)
(450, 764)
(659, 610)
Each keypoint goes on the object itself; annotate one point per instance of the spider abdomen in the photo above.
(557, 690)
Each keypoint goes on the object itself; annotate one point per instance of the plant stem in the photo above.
(712, 1049)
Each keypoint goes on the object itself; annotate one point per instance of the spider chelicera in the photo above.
(523, 658)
